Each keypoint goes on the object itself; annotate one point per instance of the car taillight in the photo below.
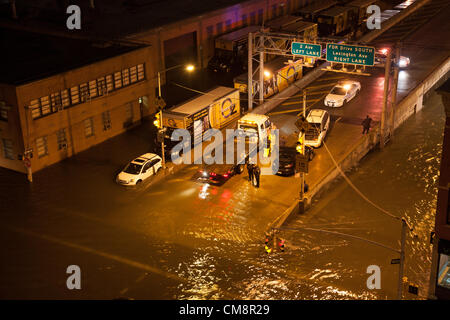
(225, 175)
(212, 174)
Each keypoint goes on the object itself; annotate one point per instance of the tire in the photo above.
(138, 182)
(239, 169)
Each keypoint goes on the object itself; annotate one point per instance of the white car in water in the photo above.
(342, 93)
(139, 169)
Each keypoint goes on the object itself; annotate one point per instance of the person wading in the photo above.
(366, 124)
(250, 171)
(256, 173)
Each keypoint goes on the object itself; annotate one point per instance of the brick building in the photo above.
(62, 96)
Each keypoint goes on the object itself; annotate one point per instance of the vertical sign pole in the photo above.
(302, 174)
(250, 72)
(394, 92)
(261, 69)
(402, 261)
(162, 142)
(385, 97)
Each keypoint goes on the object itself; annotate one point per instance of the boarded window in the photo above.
(244, 20)
(260, 16)
(253, 18)
(93, 88)
(106, 116)
(133, 74)
(45, 105)
(84, 92)
(117, 80)
(209, 32)
(141, 73)
(65, 98)
(35, 109)
(61, 139)
(8, 149)
(41, 146)
(75, 95)
(125, 77)
(56, 102)
(89, 127)
(109, 83)
(219, 28)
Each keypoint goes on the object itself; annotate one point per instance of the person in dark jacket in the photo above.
(256, 173)
(366, 124)
(250, 171)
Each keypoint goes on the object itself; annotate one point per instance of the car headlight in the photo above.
(131, 180)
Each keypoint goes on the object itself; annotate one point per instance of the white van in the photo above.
(320, 123)
(258, 125)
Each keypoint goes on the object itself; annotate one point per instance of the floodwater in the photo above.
(186, 240)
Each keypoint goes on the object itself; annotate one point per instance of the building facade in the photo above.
(50, 119)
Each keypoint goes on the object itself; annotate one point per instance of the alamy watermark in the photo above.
(249, 146)
(374, 20)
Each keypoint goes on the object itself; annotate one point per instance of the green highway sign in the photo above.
(306, 49)
(348, 54)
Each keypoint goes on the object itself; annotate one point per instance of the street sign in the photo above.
(301, 163)
(349, 54)
(395, 261)
(306, 49)
(160, 103)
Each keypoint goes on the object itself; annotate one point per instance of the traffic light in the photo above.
(299, 148)
(157, 121)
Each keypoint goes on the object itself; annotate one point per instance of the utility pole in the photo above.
(301, 203)
(385, 98)
(402, 261)
(250, 72)
(394, 91)
(261, 70)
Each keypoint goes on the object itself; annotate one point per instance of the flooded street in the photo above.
(182, 239)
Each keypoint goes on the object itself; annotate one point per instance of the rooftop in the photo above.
(33, 56)
(113, 18)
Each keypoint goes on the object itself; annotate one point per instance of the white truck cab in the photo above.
(253, 124)
(320, 122)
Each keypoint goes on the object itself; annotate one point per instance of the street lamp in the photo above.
(159, 121)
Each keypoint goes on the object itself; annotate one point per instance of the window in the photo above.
(141, 73)
(274, 11)
(65, 100)
(75, 95)
(133, 74)
(35, 109)
(106, 116)
(209, 32)
(41, 146)
(84, 92)
(89, 127)
(118, 80)
(61, 139)
(101, 86)
(244, 20)
(109, 83)
(45, 105)
(228, 25)
(3, 111)
(93, 88)
(253, 18)
(219, 28)
(56, 101)
(8, 149)
(125, 77)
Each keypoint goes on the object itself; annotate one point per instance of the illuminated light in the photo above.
(384, 51)
(346, 86)
(225, 175)
(157, 121)
(267, 74)
(190, 67)
(205, 173)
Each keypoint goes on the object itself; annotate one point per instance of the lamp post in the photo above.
(161, 129)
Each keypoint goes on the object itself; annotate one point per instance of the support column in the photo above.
(250, 72)
(387, 71)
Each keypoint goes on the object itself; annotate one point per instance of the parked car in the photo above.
(139, 169)
(320, 122)
(342, 93)
(287, 156)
